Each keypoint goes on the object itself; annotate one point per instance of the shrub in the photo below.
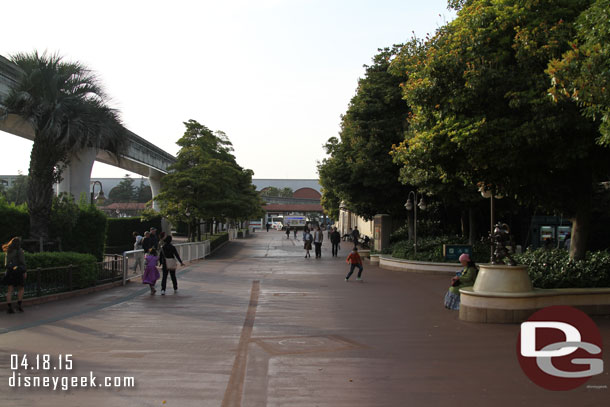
(14, 221)
(554, 269)
(217, 240)
(431, 249)
(85, 274)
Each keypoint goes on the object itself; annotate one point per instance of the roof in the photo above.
(125, 206)
(293, 208)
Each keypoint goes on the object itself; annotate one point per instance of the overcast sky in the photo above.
(274, 75)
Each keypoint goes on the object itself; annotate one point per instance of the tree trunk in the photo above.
(472, 227)
(40, 189)
(580, 231)
(463, 223)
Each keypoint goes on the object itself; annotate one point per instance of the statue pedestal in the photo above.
(501, 278)
(501, 294)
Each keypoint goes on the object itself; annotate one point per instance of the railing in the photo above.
(115, 267)
(133, 260)
(54, 280)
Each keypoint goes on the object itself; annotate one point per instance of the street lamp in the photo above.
(489, 193)
(100, 198)
(409, 206)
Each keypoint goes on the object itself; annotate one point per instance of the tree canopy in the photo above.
(206, 182)
(481, 112)
(66, 106)
(583, 72)
(359, 170)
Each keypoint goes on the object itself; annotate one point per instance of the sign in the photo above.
(560, 348)
(454, 251)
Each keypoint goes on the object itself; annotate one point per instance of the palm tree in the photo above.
(66, 107)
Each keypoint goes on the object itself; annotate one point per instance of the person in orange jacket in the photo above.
(355, 261)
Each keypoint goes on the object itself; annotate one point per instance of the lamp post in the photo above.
(489, 193)
(100, 198)
(410, 205)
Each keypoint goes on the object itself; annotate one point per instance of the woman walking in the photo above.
(169, 258)
(16, 272)
(151, 273)
(307, 238)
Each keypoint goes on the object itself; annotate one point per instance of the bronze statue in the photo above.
(499, 239)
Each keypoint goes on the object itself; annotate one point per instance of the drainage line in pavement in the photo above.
(235, 386)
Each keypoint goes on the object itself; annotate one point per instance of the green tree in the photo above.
(206, 182)
(583, 72)
(481, 110)
(143, 192)
(17, 192)
(276, 192)
(124, 192)
(65, 105)
(359, 170)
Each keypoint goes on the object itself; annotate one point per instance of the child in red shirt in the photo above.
(355, 261)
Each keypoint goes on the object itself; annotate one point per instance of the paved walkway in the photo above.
(259, 325)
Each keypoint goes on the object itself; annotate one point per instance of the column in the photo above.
(76, 177)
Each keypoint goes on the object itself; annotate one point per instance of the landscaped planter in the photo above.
(374, 259)
(509, 307)
(391, 263)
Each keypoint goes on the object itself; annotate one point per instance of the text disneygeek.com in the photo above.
(45, 363)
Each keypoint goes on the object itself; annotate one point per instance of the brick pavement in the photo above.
(259, 325)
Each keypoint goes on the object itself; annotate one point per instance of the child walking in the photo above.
(151, 273)
(355, 261)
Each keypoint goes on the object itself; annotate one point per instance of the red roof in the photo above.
(125, 206)
(306, 193)
(293, 208)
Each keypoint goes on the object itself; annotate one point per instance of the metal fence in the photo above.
(54, 280)
(115, 267)
(133, 263)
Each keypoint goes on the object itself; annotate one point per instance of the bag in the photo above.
(171, 263)
(455, 281)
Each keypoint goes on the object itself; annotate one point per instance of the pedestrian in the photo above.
(154, 238)
(16, 272)
(335, 239)
(354, 260)
(307, 238)
(318, 237)
(138, 255)
(287, 232)
(268, 225)
(355, 235)
(347, 236)
(295, 232)
(146, 242)
(463, 278)
(567, 242)
(151, 273)
(170, 258)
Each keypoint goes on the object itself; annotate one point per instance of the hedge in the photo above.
(119, 234)
(217, 240)
(86, 268)
(14, 221)
(554, 269)
(431, 249)
(80, 227)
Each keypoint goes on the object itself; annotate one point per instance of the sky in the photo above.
(274, 75)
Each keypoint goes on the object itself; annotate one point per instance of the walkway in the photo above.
(259, 325)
